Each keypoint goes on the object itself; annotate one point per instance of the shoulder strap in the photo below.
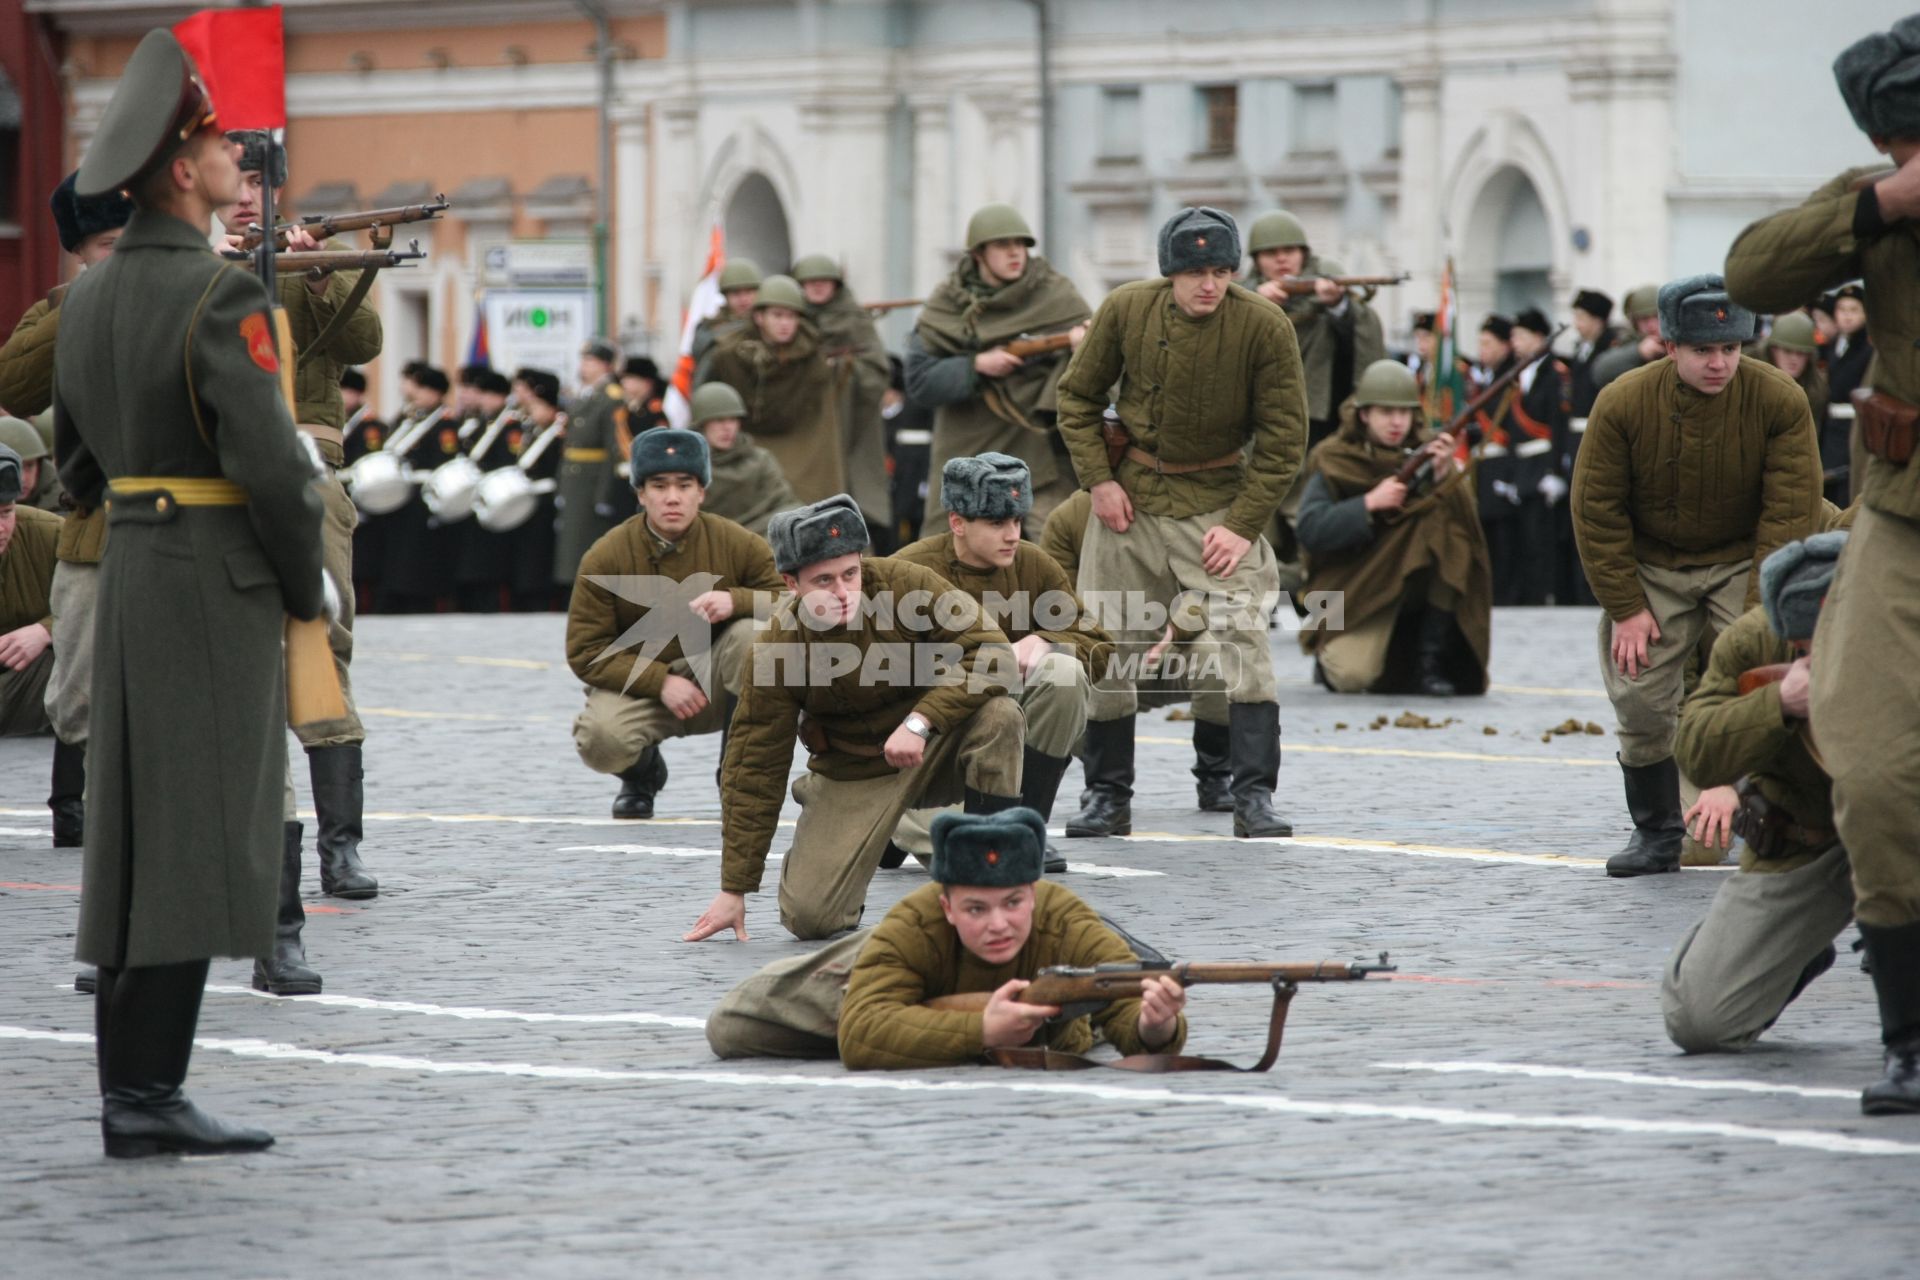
(193, 396)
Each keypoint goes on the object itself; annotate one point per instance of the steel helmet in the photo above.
(716, 400)
(997, 222)
(740, 273)
(1276, 230)
(1387, 384)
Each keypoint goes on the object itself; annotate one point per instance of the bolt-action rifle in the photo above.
(324, 226)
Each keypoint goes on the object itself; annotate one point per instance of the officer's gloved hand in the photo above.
(1507, 489)
(329, 598)
(1552, 488)
(314, 460)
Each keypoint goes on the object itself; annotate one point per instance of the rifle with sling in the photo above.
(1082, 991)
(1301, 284)
(315, 263)
(1416, 471)
(324, 226)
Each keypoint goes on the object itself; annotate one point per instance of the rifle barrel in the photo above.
(1501, 383)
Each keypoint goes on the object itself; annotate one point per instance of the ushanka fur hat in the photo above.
(989, 850)
(818, 531)
(1879, 77)
(988, 486)
(77, 216)
(669, 450)
(1196, 238)
(1697, 310)
(1794, 582)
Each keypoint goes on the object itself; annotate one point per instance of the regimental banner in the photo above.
(542, 328)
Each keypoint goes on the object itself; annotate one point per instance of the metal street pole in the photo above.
(1047, 225)
(602, 196)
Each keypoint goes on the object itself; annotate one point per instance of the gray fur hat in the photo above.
(818, 531)
(1879, 77)
(253, 144)
(989, 486)
(988, 850)
(1794, 581)
(1195, 238)
(10, 485)
(667, 450)
(1696, 309)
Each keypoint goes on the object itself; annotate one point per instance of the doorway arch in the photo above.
(756, 224)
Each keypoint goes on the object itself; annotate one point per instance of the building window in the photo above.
(1313, 120)
(1120, 123)
(1219, 118)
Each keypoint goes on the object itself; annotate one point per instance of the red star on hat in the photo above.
(993, 857)
(1016, 493)
(1200, 241)
(672, 449)
(1720, 313)
(833, 531)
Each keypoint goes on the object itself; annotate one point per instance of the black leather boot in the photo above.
(339, 803)
(1653, 798)
(1896, 981)
(286, 972)
(1109, 765)
(149, 1041)
(87, 981)
(1040, 776)
(639, 784)
(1253, 730)
(67, 797)
(1212, 767)
(1436, 633)
(983, 802)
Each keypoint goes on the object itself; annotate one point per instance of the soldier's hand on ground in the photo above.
(1715, 809)
(997, 362)
(1899, 193)
(1161, 1000)
(905, 748)
(1008, 1024)
(1389, 495)
(1112, 505)
(714, 606)
(1327, 293)
(1631, 640)
(1272, 292)
(1029, 652)
(1221, 550)
(20, 648)
(682, 697)
(726, 911)
(1794, 687)
(1076, 336)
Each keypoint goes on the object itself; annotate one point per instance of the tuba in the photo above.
(380, 482)
(506, 498)
(449, 492)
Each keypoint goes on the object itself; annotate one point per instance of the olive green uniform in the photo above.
(792, 396)
(1867, 682)
(1736, 969)
(853, 345)
(863, 997)
(1189, 391)
(26, 361)
(1677, 497)
(26, 584)
(748, 486)
(188, 755)
(592, 449)
(850, 798)
(624, 715)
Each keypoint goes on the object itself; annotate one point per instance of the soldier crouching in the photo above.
(988, 923)
(897, 684)
(1406, 557)
(1771, 927)
(648, 593)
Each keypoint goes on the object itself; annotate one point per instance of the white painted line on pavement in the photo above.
(1414, 753)
(22, 831)
(681, 851)
(460, 1011)
(1619, 1077)
(1137, 1098)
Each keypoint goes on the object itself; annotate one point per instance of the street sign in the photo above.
(543, 328)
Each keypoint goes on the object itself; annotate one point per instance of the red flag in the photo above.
(243, 58)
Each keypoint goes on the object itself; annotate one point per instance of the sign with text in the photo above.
(543, 328)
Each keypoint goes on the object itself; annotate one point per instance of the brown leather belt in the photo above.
(856, 748)
(1153, 462)
(324, 434)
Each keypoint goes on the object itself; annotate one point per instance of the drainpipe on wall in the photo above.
(602, 193)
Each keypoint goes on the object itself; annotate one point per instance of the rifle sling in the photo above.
(355, 297)
(1154, 1063)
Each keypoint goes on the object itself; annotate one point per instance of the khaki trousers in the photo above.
(336, 557)
(1153, 563)
(1054, 701)
(23, 698)
(1687, 604)
(791, 1008)
(1732, 973)
(614, 728)
(1354, 660)
(1866, 713)
(70, 688)
(844, 826)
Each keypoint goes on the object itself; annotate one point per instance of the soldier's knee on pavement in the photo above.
(601, 748)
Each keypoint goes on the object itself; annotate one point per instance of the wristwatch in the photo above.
(917, 723)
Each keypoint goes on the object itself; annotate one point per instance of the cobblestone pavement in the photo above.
(506, 1075)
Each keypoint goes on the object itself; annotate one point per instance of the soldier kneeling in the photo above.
(1771, 927)
(662, 678)
(987, 923)
(1407, 555)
